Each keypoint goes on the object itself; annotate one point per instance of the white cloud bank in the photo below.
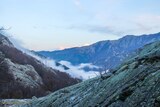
(77, 71)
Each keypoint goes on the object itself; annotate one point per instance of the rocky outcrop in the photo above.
(22, 76)
(135, 83)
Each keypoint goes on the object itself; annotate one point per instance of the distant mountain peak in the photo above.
(109, 53)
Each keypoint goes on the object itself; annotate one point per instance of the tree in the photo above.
(105, 73)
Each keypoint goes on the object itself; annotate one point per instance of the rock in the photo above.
(133, 85)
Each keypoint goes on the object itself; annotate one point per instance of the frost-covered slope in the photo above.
(22, 76)
(103, 53)
(135, 83)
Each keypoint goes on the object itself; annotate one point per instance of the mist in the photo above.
(74, 71)
(79, 72)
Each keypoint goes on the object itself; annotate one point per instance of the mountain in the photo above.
(23, 76)
(135, 83)
(109, 53)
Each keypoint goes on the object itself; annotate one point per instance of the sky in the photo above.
(59, 24)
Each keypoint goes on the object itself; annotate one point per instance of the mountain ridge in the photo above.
(23, 76)
(109, 53)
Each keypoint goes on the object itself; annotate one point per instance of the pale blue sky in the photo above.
(56, 24)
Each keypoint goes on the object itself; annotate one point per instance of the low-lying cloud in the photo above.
(75, 71)
(78, 71)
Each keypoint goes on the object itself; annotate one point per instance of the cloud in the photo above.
(90, 65)
(120, 26)
(78, 4)
(78, 72)
(15, 41)
(102, 29)
(148, 22)
(105, 29)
